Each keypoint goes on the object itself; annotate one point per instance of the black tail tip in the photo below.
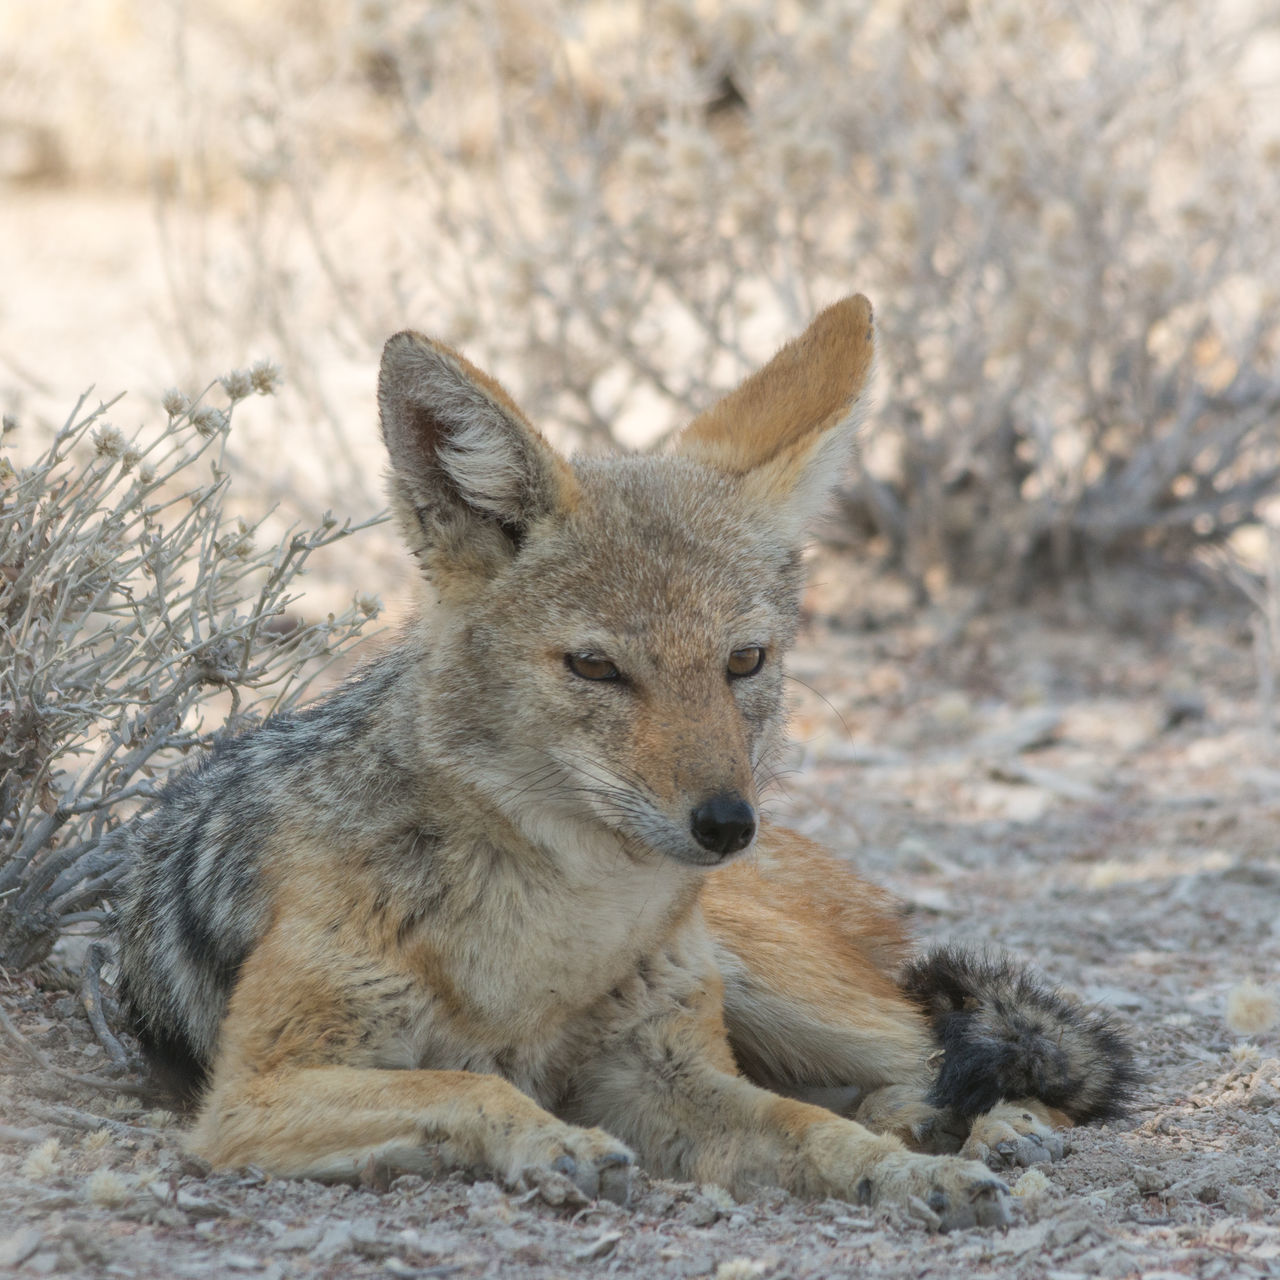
(1005, 1034)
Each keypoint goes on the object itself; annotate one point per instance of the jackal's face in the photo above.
(606, 655)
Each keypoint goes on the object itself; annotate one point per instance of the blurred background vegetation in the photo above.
(1063, 210)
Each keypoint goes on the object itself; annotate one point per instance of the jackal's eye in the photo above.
(746, 662)
(590, 666)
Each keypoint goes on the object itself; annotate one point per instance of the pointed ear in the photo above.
(469, 474)
(789, 430)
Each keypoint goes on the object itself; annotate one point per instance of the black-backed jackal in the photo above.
(504, 901)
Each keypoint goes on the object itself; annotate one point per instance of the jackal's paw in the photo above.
(570, 1165)
(1014, 1135)
(949, 1193)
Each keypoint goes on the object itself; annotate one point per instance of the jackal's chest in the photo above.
(539, 978)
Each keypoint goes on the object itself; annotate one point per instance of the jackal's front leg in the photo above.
(666, 1083)
(333, 1123)
(297, 1088)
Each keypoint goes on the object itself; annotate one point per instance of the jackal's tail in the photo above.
(1004, 1034)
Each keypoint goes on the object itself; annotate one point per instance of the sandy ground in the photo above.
(1099, 799)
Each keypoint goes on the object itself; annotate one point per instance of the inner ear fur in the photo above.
(781, 416)
(465, 461)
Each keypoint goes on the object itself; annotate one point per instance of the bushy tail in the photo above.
(1005, 1035)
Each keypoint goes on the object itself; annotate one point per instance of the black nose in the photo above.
(724, 824)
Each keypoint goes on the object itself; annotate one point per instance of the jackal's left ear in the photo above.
(470, 474)
(789, 430)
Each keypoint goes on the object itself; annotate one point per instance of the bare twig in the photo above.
(68, 1117)
(24, 1046)
(1069, 361)
(91, 998)
(29, 1137)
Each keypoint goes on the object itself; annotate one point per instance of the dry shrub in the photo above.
(136, 619)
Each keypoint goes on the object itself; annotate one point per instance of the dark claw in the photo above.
(987, 1205)
(583, 1176)
(615, 1178)
(991, 1204)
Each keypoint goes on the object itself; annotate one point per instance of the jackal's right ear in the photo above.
(469, 474)
(789, 430)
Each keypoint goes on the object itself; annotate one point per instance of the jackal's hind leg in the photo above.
(904, 1110)
(808, 953)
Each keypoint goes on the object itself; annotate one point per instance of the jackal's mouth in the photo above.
(716, 829)
(693, 856)
(716, 832)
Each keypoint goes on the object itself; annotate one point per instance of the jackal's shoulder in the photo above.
(293, 759)
(204, 858)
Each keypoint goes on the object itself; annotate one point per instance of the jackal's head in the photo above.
(607, 645)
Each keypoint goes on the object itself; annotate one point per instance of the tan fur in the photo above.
(808, 948)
